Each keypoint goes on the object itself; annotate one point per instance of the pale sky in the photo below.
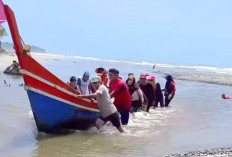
(182, 32)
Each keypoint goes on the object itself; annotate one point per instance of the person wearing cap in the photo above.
(147, 89)
(101, 72)
(107, 109)
(120, 92)
(169, 90)
(85, 85)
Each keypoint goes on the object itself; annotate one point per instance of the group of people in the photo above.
(129, 96)
(147, 92)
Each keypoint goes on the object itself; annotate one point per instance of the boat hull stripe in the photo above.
(59, 99)
(24, 72)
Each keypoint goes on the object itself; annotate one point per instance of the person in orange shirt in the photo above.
(101, 72)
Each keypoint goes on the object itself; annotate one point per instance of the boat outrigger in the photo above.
(54, 104)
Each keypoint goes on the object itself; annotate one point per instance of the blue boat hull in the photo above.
(53, 116)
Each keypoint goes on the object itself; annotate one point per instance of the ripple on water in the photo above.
(141, 124)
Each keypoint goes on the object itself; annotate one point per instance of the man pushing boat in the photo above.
(107, 109)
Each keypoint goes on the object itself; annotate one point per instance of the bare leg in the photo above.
(120, 129)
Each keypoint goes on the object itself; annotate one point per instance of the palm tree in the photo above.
(2, 34)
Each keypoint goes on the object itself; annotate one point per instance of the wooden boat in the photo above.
(54, 104)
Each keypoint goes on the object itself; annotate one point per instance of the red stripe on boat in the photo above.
(31, 82)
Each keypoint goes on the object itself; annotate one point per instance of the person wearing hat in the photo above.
(147, 89)
(107, 109)
(169, 90)
(85, 85)
(121, 94)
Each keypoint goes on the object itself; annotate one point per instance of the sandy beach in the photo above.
(6, 59)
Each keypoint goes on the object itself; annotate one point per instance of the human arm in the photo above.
(92, 88)
(89, 96)
(78, 90)
(173, 86)
(140, 94)
(117, 90)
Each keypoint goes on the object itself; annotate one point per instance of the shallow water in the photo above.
(197, 119)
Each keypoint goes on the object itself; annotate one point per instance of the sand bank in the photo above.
(6, 59)
(204, 77)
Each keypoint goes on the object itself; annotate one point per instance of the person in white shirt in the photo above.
(85, 85)
(107, 109)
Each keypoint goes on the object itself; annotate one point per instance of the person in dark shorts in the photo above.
(114, 119)
(107, 109)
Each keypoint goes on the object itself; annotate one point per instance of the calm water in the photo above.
(197, 119)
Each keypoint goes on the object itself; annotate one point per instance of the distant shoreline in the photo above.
(6, 59)
(205, 78)
(195, 76)
(9, 46)
(186, 74)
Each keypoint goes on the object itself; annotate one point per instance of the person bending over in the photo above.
(107, 109)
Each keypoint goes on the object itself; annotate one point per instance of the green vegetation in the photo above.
(2, 34)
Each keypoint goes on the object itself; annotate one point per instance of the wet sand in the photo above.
(6, 59)
(206, 78)
(196, 76)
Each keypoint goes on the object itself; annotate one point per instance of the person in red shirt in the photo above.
(226, 97)
(120, 92)
(170, 90)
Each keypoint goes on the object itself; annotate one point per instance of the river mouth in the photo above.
(197, 119)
